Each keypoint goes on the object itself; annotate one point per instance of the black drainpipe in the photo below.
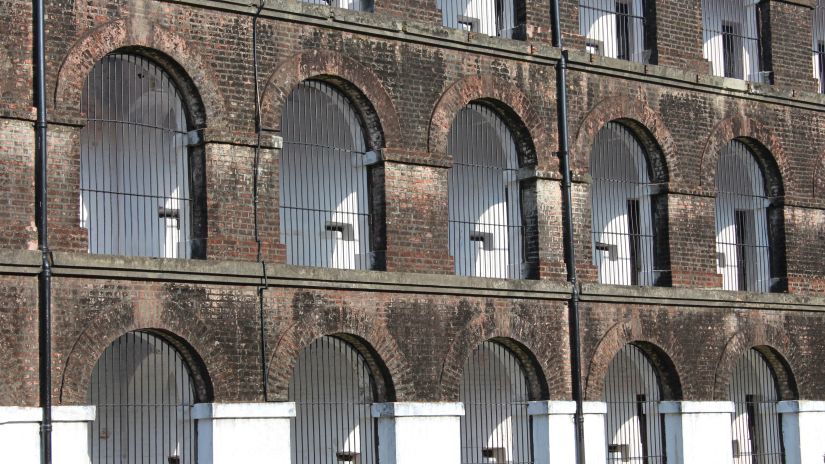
(569, 246)
(256, 167)
(44, 280)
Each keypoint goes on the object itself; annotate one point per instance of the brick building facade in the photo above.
(240, 324)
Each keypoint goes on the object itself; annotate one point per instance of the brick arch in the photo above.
(180, 58)
(529, 129)
(508, 330)
(655, 348)
(762, 142)
(774, 344)
(369, 337)
(361, 85)
(185, 336)
(645, 123)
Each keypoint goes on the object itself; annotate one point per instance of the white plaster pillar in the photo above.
(554, 431)
(412, 433)
(70, 434)
(803, 423)
(229, 433)
(595, 435)
(698, 432)
(20, 434)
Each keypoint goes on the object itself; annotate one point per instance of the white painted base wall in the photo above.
(554, 431)
(803, 431)
(20, 434)
(595, 435)
(230, 433)
(698, 432)
(413, 433)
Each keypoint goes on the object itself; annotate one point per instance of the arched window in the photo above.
(487, 233)
(138, 196)
(496, 18)
(623, 29)
(325, 211)
(143, 392)
(731, 39)
(357, 5)
(626, 241)
(819, 44)
(495, 426)
(333, 391)
(746, 223)
(635, 429)
(757, 436)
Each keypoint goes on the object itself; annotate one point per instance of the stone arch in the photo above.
(191, 73)
(763, 143)
(645, 124)
(361, 85)
(773, 344)
(103, 331)
(511, 104)
(510, 332)
(654, 347)
(366, 335)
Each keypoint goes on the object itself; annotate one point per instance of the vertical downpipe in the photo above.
(44, 281)
(569, 246)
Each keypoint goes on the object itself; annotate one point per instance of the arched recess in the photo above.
(629, 209)
(508, 101)
(181, 59)
(493, 214)
(358, 83)
(766, 147)
(650, 344)
(645, 124)
(143, 388)
(773, 345)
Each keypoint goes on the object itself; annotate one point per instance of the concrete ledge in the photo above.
(243, 410)
(696, 407)
(84, 413)
(797, 406)
(17, 414)
(417, 409)
(594, 407)
(549, 408)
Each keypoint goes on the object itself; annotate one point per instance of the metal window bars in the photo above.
(731, 39)
(485, 220)
(818, 46)
(621, 204)
(324, 188)
(333, 392)
(496, 18)
(757, 433)
(495, 427)
(635, 429)
(742, 241)
(356, 5)
(143, 392)
(134, 161)
(615, 28)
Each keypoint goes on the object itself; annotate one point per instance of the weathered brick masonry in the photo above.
(415, 322)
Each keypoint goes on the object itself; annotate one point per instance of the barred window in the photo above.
(485, 210)
(819, 44)
(731, 39)
(495, 426)
(623, 200)
(143, 393)
(496, 18)
(623, 29)
(757, 434)
(635, 428)
(333, 391)
(356, 5)
(743, 242)
(325, 213)
(138, 195)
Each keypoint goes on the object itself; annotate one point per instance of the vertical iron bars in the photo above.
(496, 18)
(818, 46)
(615, 28)
(731, 39)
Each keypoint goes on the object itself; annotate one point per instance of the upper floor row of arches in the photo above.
(143, 191)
